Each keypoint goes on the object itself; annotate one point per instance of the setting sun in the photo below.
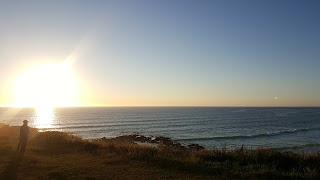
(44, 86)
(140, 89)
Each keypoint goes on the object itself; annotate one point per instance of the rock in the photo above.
(160, 140)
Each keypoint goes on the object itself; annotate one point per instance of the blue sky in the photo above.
(159, 53)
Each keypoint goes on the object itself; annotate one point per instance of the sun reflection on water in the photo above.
(44, 118)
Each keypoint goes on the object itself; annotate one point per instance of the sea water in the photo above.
(213, 127)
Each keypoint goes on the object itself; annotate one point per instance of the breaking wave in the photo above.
(276, 133)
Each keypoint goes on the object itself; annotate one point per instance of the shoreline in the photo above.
(60, 155)
(155, 141)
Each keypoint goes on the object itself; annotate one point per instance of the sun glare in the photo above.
(45, 86)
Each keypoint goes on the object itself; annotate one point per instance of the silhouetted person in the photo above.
(24, 132)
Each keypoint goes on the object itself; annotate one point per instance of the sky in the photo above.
(163, 53)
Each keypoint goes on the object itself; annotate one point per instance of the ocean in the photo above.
(294, 129)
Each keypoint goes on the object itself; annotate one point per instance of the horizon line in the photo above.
(168, 106)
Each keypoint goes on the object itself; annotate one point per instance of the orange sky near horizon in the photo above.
(48, 86)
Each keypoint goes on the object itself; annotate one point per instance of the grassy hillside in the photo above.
(57, 155)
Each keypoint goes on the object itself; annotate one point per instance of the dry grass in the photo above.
(57, 155)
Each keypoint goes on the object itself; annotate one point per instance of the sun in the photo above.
(45, 86)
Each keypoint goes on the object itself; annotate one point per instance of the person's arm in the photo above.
(21, 131)
(27, 131)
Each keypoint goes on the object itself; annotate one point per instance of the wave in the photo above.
(276, 133)
(240, 110)
(297, 147)
(84, 127)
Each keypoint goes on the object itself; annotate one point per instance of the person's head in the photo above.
(25, 122)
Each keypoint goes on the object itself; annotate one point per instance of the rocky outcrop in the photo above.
(152, 140)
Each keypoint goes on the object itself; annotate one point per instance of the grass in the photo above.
(58, 155)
